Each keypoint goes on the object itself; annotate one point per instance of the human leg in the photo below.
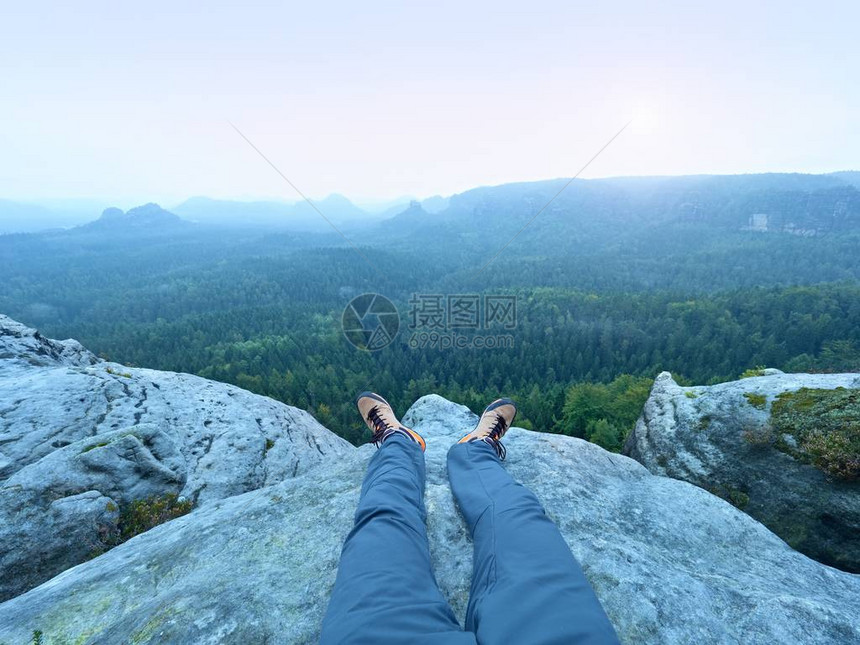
(526, 585)
(385, 590)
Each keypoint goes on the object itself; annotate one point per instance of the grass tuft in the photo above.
(756, 400)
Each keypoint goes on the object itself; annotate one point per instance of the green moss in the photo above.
(94, 446)
(755, 371)
(270, 443)
(37, 637)
(110, 370)
(826, 427)
(756, 400)
(690, 394)
(102, 444)
(704, 423)
(738, 498)
(111, 507)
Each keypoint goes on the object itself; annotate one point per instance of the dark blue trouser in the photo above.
(526, 585)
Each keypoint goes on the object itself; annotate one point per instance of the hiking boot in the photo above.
(493, 424)
(382, 421)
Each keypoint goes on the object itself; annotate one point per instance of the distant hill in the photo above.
(300, 216)
(434, 204)
(225, 212)
(387, 207)
(413, 215)
(604, 211)
(149, 218)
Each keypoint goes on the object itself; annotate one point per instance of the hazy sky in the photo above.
(131, 101)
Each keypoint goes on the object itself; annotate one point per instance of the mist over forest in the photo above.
(615, 281)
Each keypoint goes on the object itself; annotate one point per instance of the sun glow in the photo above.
(645, 116)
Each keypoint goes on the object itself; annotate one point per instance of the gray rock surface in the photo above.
(80, 437)
(701, 435)
(671, 563)
(19, 342)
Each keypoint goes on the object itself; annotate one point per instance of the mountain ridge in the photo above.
(300, 215)
(297, 215)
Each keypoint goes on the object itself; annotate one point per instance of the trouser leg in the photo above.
(526, 585)
(385, 590)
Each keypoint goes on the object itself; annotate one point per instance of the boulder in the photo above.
(81, 438)
(721, 438)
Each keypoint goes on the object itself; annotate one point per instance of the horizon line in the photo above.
(382, 201)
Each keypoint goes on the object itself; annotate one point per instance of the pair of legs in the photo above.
(526, 585)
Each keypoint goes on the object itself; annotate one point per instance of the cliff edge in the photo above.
(256, 558)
